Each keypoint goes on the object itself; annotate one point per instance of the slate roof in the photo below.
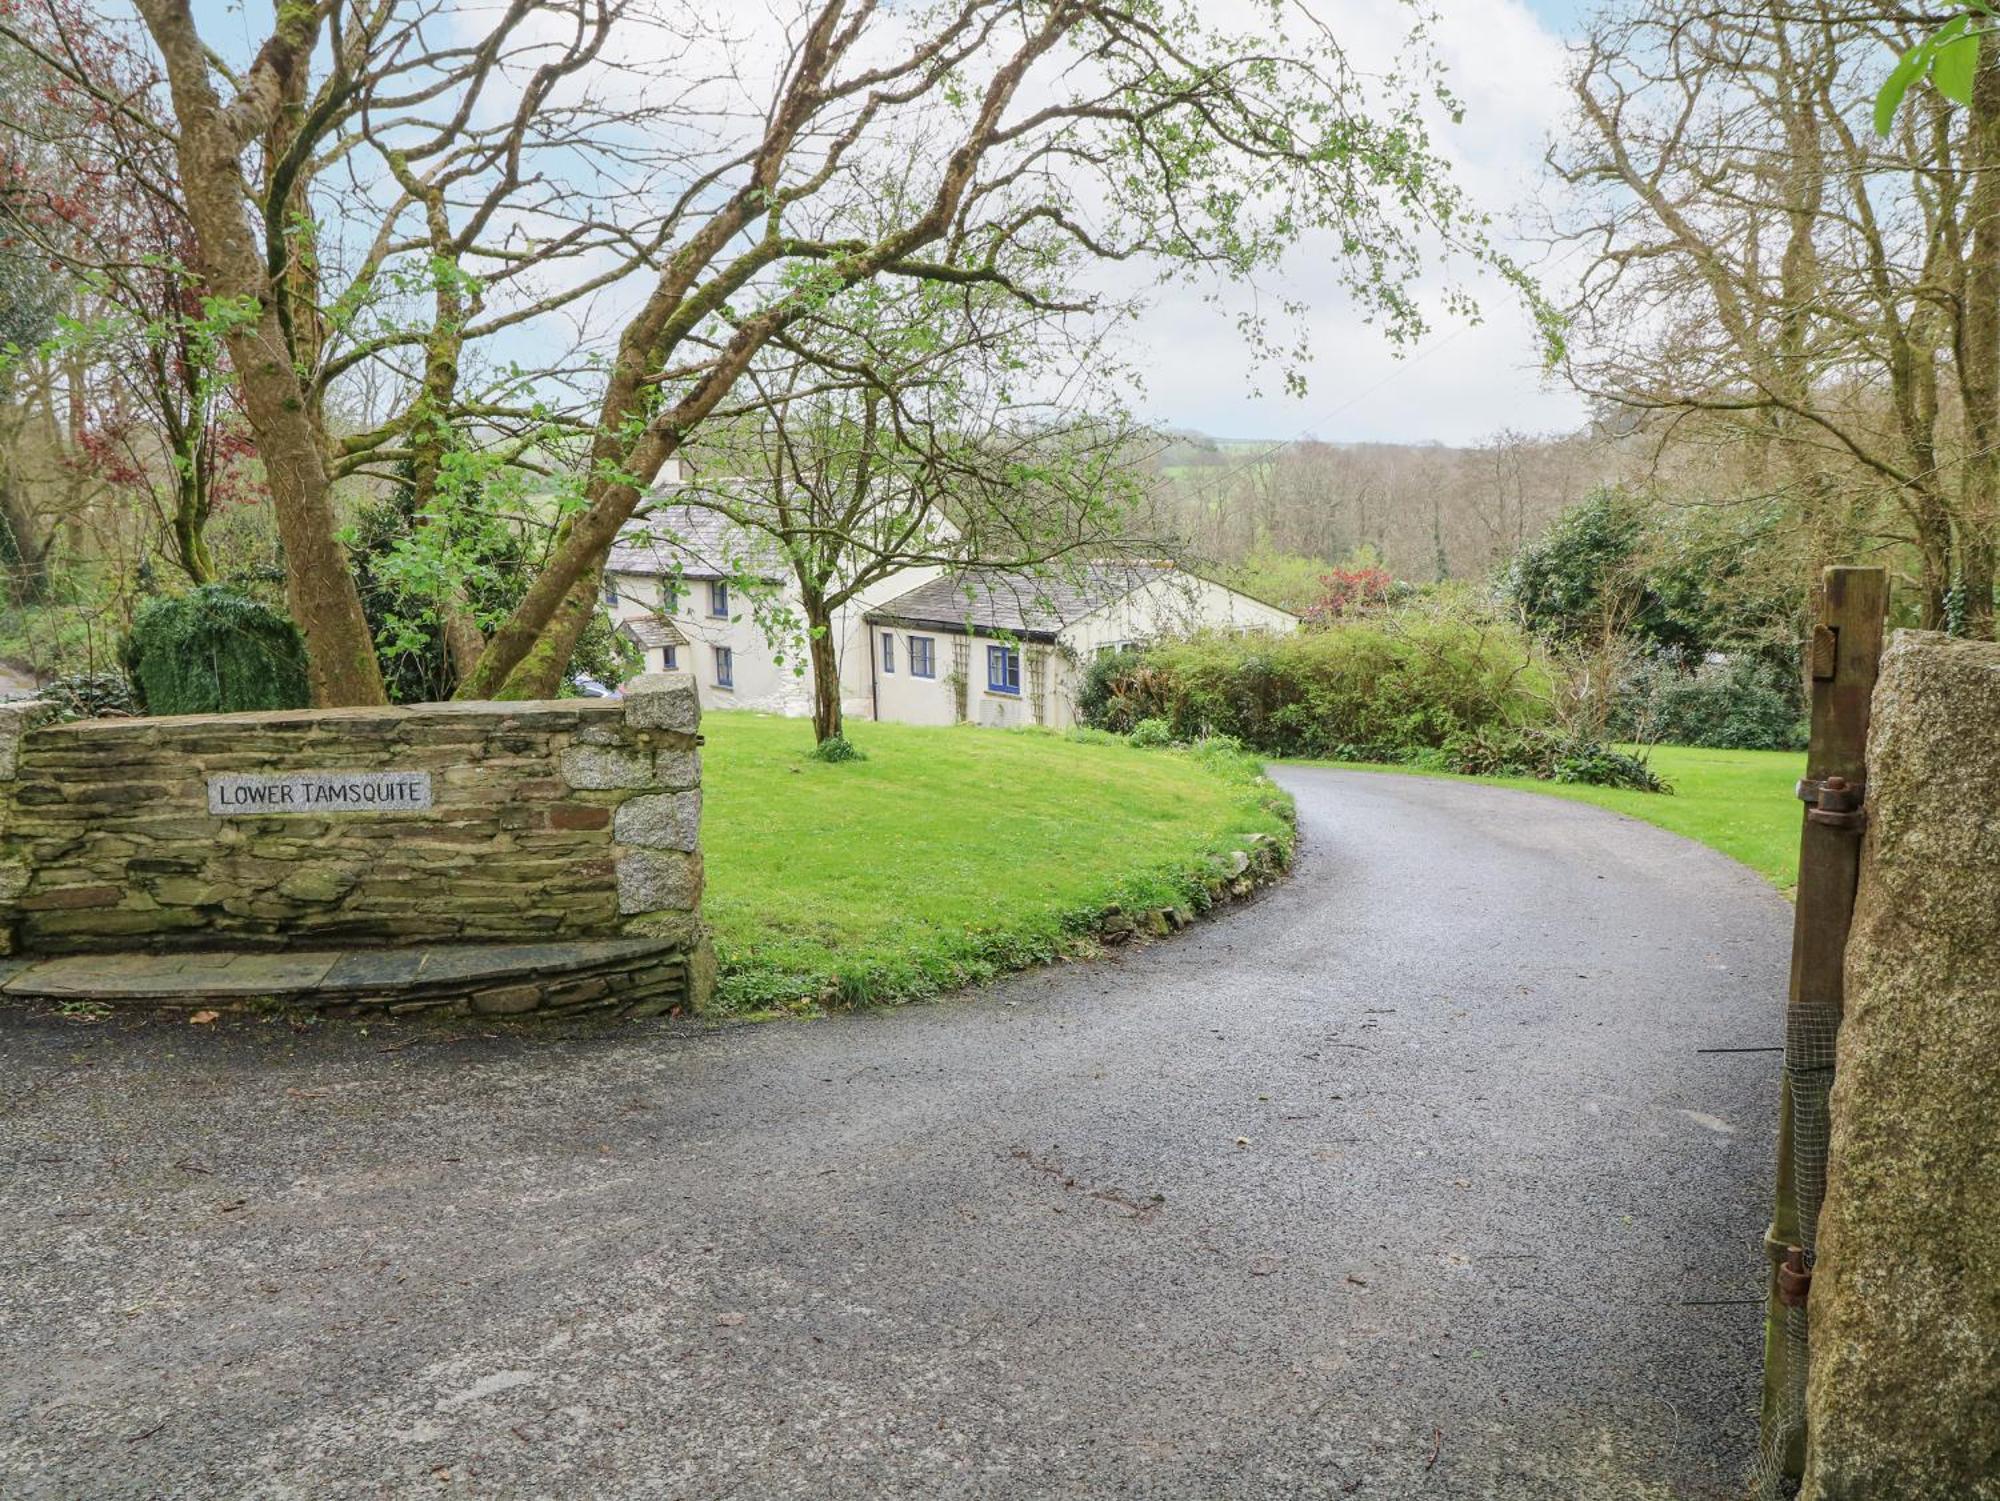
(652, 631)
(987, 600)
(703, 543)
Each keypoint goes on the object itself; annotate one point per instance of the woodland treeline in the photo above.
(1781, 313)
(1275, 516)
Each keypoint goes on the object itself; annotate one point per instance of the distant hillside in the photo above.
(1427, 510)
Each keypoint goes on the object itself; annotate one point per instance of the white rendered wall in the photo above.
(904, 697)
(855, 639)
(1177, 604)
(761, 682)
(908, 699)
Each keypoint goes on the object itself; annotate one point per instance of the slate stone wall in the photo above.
(570, 820)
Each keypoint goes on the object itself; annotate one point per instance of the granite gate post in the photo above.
(1903, 1392)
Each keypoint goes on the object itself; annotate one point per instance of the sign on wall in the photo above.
(243, 795)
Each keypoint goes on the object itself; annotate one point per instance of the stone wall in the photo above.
(558, 821)
(1903, 1393)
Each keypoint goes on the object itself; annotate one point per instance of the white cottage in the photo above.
(673, 588)
(1006, 649)
(922, 647)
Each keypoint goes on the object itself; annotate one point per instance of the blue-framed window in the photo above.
(1003, 669)
(718, 598)
(923, 657)
(670, 596)
(669, 658)
(610, 591)
(725, 667)
(888, 651)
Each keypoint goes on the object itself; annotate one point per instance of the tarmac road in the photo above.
(1406, 1179)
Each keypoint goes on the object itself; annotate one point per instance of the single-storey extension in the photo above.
(1000, 648)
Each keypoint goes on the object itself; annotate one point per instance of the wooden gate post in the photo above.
(1843, 658)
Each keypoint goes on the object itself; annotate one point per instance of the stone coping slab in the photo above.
(329, 973)
(537, 712)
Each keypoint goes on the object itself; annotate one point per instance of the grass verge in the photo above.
(1738, 802)
(948, 855)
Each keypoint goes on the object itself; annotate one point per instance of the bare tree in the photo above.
(894, 434)
(94, 200)
(1423, 511)
(1771, 277)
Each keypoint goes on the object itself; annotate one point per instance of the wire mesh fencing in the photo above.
(1810, 1035)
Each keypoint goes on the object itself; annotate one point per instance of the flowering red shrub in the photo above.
(87, 184)
(1349, 591)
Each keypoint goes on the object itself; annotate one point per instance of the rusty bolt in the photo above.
(1835, 802)
(1794, 1280)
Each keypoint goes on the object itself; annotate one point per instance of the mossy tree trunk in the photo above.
(319, 583)
(1979, 357)
(825, 661)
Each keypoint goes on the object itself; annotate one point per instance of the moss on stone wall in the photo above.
(107, 841)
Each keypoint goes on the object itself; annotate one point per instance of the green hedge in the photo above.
(1381, 688)
(1549, 755)
(1745, 703)
(214, 650)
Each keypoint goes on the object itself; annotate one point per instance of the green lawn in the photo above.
(948, 856)
(1739, 802)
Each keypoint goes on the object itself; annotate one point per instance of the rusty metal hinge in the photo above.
(1794, 1278)
(1834, 801)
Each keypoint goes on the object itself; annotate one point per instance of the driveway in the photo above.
(1408, 1179)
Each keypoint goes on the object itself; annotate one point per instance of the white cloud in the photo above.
(1464, 381)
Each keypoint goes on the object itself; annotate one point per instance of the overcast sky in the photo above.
(1505, 60)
